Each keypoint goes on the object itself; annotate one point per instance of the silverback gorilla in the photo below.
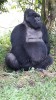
(30, 44)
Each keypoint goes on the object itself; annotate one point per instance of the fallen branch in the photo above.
(8, 74)
(46, 73)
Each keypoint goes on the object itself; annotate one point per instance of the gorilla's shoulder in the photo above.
(17, 32)
(20, 27)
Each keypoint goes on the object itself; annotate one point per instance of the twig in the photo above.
(8, 74)
(46, 73)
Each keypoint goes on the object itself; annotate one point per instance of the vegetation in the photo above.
(20, 85)
(4, 46)
(31, 85)
(2, 1)
(1, 4)
(27, 86)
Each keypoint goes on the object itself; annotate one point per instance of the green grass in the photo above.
(24, 85)
(29, 87)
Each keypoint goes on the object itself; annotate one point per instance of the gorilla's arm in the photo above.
(17, 36)
(45, 37)
(17, 41)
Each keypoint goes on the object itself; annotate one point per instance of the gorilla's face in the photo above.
(32, 19)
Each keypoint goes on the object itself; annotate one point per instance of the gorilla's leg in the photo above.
(11, 61)
(45, 63)
(27, 67)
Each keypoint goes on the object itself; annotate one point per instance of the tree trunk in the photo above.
(48, 11)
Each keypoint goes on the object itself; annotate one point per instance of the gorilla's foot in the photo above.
(45, 63)
(11, 61)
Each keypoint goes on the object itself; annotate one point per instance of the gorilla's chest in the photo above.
(35, 45)
(33, 35)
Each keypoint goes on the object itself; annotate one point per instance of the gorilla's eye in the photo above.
(38, 15)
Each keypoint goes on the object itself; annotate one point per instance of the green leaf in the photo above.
(36, 1)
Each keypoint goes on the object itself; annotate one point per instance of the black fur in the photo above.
(33, 54)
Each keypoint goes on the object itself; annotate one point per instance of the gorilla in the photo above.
(30, 44)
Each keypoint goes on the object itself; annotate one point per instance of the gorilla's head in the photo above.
(32, 19)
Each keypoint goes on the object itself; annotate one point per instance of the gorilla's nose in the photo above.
(37, 19)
